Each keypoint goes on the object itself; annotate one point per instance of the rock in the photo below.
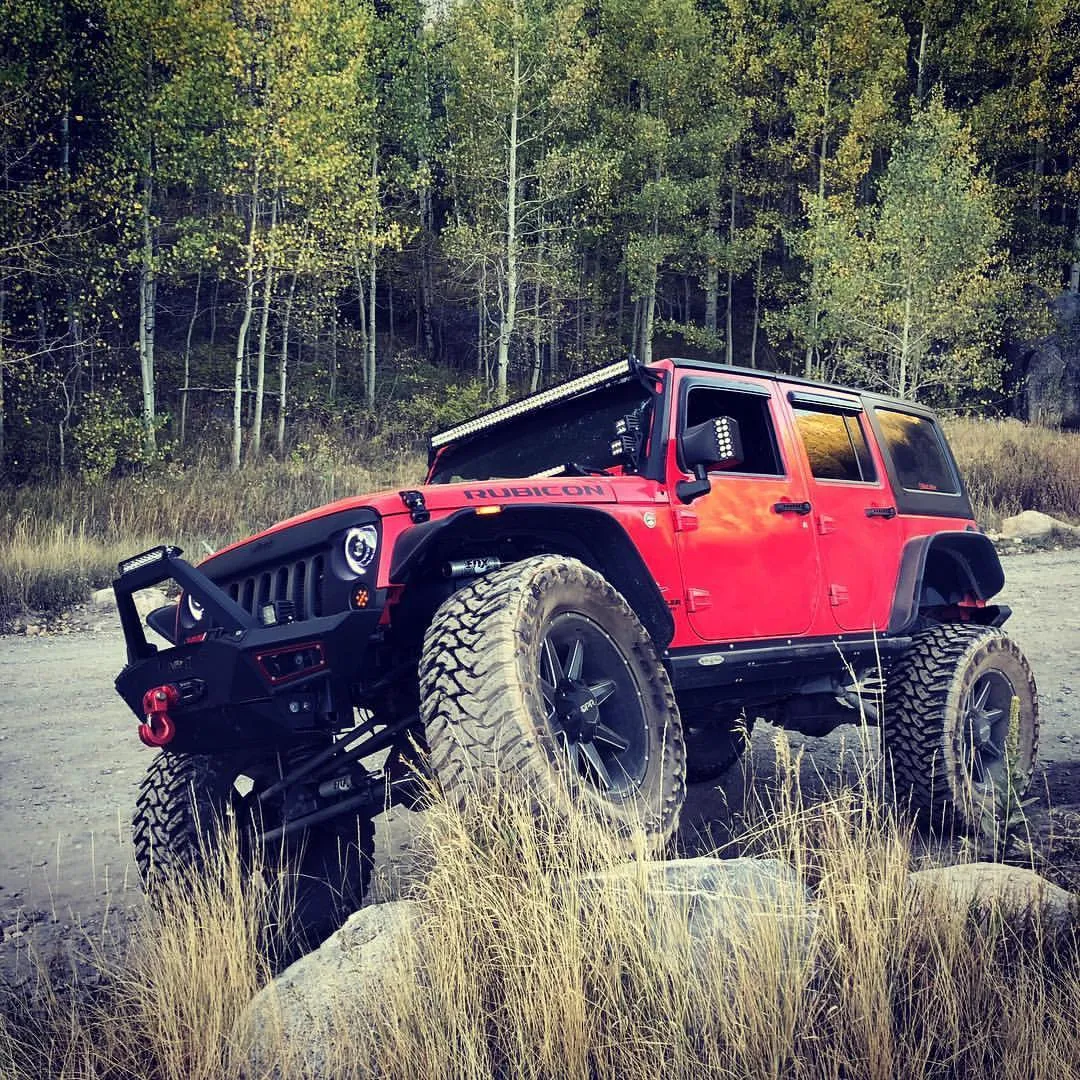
(286, 1026)
(1033, 524)
(146, 600)
(32, 630)
(1049, 369)
(726, 900)
(1014, 890)
(729, 906)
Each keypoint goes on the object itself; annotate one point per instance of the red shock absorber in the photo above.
(158, 728)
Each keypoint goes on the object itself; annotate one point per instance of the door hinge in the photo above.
(686, 521)
(826, 524)
(697, 599)
(838, 594)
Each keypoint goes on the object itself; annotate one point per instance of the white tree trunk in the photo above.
(147, 312)
(508, 314)
(255, 448)
(283, 369)
(373, 251)
(729, 315)
(187, 359)
(245, 323)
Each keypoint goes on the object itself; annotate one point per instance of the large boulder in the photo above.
(728, 906)
(287, 1029)
(1034, 525)
(1014, 891)
(1048, 370)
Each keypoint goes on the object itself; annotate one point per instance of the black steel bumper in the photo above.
(242, 684)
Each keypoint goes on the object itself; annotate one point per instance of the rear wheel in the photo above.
(961, 726)
(188, 801)
(542, 673)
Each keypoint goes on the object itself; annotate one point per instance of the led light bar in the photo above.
(147, 557)
(533, 401)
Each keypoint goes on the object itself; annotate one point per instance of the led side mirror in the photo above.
(716, 444)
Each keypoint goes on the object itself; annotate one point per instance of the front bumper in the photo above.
(243, 684)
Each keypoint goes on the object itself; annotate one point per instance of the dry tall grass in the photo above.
(521, 970)
(60, 541)
(1010, 466)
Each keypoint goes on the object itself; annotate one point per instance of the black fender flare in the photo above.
(968, 561)
(585, 532)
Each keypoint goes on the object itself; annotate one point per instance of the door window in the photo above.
(917, 453)
(835, 445)
(761, 456)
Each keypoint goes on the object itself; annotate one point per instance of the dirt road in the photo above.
(70, 763)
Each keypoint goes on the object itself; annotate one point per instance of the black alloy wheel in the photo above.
(594, 709)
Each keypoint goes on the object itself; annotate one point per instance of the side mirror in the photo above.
(716, 444)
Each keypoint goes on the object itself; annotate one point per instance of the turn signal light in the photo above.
(361, 597)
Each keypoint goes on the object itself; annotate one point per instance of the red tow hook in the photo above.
(158, 728)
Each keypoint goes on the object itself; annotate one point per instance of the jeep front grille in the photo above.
(299, 581)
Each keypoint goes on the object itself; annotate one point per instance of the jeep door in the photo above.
(854, 514)
(747, 552)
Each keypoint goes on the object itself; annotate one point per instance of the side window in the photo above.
(917, 452)
(835, 445)
(751, 411)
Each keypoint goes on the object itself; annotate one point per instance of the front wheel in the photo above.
(542, 673)
(188, 802)
(961, 726)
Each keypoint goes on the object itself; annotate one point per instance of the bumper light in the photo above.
(281, 665)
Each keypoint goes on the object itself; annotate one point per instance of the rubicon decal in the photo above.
(530, 491)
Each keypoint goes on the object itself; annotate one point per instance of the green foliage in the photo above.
(109, 437)
(264, 196)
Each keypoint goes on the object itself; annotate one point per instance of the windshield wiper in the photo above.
(577, 468)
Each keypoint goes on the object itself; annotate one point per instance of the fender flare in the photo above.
(967, 559)
(584, 532)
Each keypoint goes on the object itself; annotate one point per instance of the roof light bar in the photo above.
(533, 401)
(147, 557)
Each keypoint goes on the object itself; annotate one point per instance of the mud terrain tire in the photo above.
(946, 724)
(496, 712)
(186, 800)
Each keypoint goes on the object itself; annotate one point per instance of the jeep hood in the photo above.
(440, 498)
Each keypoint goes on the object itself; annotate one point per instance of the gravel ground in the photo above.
(70, 765)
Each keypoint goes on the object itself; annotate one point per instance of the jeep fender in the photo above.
(593, 536)
(942, 568)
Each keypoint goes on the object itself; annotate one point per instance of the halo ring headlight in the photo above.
(361, 543)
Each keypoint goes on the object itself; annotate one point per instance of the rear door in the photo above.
(854, 515)
(746, 548)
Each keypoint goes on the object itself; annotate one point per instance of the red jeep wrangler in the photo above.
(596, 588)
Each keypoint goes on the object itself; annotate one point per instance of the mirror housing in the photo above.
(714, 444)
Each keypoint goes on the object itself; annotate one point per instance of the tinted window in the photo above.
(751, 411)
(917, 453)
(580, 431)
(835, 445)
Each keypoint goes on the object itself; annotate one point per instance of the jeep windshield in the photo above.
(563, 438)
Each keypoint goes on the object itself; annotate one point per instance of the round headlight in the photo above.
(361, 543)
(195, 609)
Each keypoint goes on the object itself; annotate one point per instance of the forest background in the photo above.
(231, 227)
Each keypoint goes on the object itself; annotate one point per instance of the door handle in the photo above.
(792, 508)
(881, 511)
